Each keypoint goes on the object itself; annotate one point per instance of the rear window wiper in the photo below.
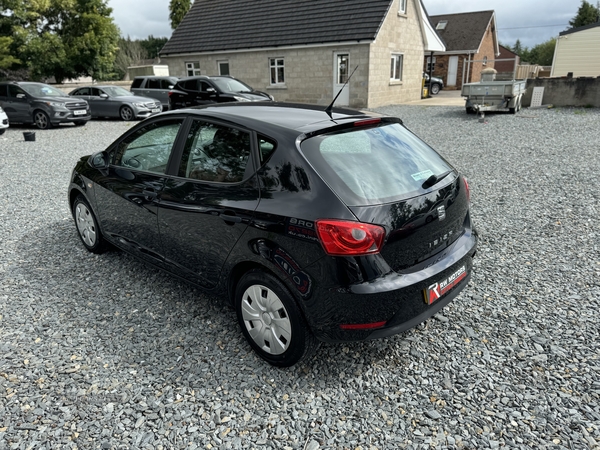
(434, 179)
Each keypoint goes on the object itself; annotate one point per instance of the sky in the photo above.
(531, 21)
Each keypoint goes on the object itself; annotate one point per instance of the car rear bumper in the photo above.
(392, 303)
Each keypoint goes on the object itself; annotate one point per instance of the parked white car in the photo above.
(3, 121)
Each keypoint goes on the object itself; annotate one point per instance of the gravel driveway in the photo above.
(106, 352)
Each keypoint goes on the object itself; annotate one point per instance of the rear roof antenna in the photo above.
(330, 107)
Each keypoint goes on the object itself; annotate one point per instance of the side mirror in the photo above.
(171, 86)
(103, 95)
(99, 160)
(21, 96)
(211, 90)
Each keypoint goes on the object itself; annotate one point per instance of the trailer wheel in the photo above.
(470, 110)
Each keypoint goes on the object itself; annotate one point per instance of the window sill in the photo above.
(400, 14)
(396, 82)
(276, 87)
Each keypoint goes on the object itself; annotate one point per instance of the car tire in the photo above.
(87, 226)
(80, 123)
(470, 110)
(2, 131)
(435, 89)
(126, 113)
(271, 321)
(41, 120)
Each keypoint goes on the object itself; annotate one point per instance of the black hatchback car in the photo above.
(313, 226)
(204, 90)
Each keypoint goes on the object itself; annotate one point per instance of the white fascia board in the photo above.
(431, 40)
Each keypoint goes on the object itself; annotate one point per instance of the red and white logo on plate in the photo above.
(437, 290)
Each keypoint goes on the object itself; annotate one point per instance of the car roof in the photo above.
(292, 116)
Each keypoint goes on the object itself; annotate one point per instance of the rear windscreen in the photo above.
(369, 166)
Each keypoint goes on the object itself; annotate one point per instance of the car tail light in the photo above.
(468, 189)
(345, 238)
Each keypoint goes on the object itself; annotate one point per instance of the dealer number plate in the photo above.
(80, 112)
(439, 289)
(155, 110)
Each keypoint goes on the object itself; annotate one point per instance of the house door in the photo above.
(341, 62)
(452, 70)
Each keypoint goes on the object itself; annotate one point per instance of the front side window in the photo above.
(215, 153)
(374, 165)
(396, 72)
(192, 68)
(42, 90)
(277, 66)
(149, 148)
(82, 91)
(14, 91)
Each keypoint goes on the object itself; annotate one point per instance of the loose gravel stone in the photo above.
(106, 352)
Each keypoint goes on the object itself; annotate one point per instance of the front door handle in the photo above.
(149, 194)
(230, 218)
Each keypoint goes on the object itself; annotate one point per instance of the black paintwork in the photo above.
(207, 91)
(211, 233)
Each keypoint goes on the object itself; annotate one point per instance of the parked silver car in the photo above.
(115, 101)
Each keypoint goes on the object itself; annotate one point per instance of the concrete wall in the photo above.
(566, 91)
(399, 33)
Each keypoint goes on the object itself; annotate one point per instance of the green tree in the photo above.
(153, 45)
(177, 11)
(6, 59)
(130, 53)
(61, 38)
(586, 14)
(543, 53)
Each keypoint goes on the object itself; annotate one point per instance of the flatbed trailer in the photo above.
(494, 96)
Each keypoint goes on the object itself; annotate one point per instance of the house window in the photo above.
(192, 68)
(485, 60)
(277, 70)
(223, 67)
(430, 64)
(402, 8)
(396, 72)
(441, 25)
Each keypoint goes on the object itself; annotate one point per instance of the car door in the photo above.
(127, 195)
(205, 210)
(17, 105)
(105, 106)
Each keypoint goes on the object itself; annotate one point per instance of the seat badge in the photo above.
(441, 212)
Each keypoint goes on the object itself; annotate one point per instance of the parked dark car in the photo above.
(437, 84)
(340, 227)
(154, 87)
(114, 101)
(41, 104)
(204, 90)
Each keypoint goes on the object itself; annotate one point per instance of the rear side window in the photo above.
(153, 83)
(137, 82)
(374, 165)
